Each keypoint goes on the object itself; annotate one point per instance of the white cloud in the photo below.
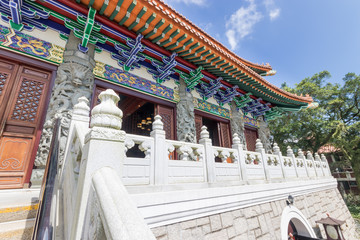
(274, 13)
(188, 2)
(241, 23)
(272, 10)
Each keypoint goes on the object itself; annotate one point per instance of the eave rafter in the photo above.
(164, 27)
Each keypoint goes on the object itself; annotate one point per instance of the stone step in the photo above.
(14, 230)
(18, 213)
(18, 204)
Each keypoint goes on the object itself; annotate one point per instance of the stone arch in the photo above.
(291, 213)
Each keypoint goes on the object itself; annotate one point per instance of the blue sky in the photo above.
(298, 38)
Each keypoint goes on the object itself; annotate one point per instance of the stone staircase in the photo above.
(17, 213)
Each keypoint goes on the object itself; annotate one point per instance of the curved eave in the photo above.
(162, 27)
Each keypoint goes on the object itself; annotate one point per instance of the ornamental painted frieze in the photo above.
(250, 121)
(29, 45)
(211, 108)
(118, 76)
(222, 112)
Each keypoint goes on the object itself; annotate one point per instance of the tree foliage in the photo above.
(336, 121)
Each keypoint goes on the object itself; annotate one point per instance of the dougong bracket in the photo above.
(21, 15)
(130, 57)
(241, 101)
(86, 29)
(226, 96)
(163, 71)
(193, 78)
(207, 90)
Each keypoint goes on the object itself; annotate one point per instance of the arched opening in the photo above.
(294, 223)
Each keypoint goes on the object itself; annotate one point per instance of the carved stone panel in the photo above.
(185, 116)
(74, 79)
(264, 134)
(237, 123)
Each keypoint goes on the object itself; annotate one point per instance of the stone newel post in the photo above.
(277, 151)
(302, 156)
(104, 147)
(209, 154)
(326, 168)
(260, 149)
(290, 153)
(237, 145)
(161, 158)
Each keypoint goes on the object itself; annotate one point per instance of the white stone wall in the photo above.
(261, 221)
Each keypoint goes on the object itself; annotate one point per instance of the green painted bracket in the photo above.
(86, 29)
(193, 78)
(243, 100)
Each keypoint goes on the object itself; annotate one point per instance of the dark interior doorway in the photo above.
(138, 115)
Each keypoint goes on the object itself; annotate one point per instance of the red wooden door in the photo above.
(23, 93)
(225, 134)
(167, 115)
(251, 135)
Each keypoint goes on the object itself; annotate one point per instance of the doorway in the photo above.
(23, 97)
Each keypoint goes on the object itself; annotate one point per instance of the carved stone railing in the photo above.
(111, 213)
(136, 170)
(185, 162)
(164, 162)
(254, 166)
(228, 169)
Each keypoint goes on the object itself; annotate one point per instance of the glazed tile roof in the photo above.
(165, 27)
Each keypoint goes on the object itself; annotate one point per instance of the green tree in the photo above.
(335, 121)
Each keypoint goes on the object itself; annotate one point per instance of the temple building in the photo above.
(190, 142)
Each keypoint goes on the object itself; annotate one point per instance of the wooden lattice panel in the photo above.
(28, 101)
(3, 78)
(225, 135)
(251, 135)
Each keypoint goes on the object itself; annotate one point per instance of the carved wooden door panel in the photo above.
(251, 135)
(225, 135)
(167, 115)
(23, 93)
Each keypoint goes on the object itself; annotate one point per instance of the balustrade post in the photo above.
(260, 149)
(80, 118)
(310, 157)
(277, 151)
(161, 162)
(290, 153)
(239, 147)
(302, 156)
(317, 157)
(328, 171)
(209, 154)
(104, 147)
